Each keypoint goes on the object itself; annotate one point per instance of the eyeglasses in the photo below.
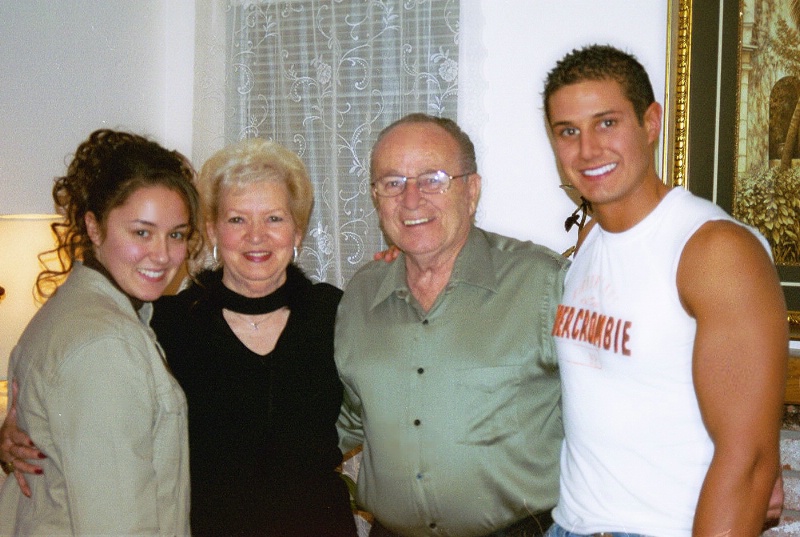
(428, 183)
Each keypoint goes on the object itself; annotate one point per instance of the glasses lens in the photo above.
(391, 185)
(433, 183)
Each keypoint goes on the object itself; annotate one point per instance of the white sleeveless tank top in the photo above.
(636, 451)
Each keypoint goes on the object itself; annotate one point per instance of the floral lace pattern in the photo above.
(323, 77)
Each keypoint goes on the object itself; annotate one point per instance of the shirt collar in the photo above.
(105, 284)
(473, 267)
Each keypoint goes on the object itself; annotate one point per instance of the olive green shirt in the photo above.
(458, 409)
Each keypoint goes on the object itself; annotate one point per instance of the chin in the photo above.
(149, 294)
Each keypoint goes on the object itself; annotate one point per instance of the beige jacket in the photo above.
(98, 400)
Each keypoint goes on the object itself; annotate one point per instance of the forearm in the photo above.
(735, 495)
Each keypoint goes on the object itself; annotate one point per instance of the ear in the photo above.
(474, 186)
(211, 233)
(93, 228)
(652, 122)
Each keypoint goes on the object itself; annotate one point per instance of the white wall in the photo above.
(73, 66)
(515, 43)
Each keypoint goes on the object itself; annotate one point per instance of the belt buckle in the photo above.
(603, 534)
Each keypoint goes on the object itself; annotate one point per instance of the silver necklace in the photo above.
(254, 324)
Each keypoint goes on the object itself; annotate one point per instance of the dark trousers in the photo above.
(530, 526)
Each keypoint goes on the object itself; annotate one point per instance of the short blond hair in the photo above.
(253, 160)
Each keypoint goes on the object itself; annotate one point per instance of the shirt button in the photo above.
(417, 422)
(425, 321)
(421, 370)
(432, 525)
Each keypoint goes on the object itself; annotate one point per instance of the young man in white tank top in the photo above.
(672, 335)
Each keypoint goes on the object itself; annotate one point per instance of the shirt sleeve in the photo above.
(102, 413)
(349, 425)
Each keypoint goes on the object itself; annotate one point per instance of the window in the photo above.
(323, 78)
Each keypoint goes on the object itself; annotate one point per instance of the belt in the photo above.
(530, 526)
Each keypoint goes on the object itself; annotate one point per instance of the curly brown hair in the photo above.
(106, 169)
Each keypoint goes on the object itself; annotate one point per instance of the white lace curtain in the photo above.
(323, 77)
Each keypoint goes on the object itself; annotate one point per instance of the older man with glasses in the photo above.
(448, 364)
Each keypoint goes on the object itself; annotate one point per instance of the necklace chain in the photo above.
(253, 324)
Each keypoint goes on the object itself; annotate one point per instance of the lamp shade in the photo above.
(22, 238)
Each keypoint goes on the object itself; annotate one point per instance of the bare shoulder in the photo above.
(724, 264)
(724, 237)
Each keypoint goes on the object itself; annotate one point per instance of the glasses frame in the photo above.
(406, 179)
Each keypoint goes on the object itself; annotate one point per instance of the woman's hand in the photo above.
(16, 447)
(388, 255)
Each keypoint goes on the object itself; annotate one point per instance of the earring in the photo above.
(215, 255)
(294, 257)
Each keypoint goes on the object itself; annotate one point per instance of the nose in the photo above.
(160, 250)
(411, 195)
(589, 145)
(255, 231)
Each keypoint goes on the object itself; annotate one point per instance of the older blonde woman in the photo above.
(251, 343)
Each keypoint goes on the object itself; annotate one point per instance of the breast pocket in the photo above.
(489, 397)
(170, 428)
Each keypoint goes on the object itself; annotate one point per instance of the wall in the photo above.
(514, 44)
(86, 64)
(72, 67)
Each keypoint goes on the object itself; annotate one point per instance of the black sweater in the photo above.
(262, 436)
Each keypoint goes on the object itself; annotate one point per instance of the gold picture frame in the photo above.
(702, 111)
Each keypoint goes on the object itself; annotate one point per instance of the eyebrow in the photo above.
(148, 223)
(429, 169)
(597, 115)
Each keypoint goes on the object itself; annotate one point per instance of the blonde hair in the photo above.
(251, 161)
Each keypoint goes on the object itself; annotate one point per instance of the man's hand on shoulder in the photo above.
(388, 255)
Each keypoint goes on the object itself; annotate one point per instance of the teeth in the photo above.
(416, 222)
(152, 273)
(601, 170)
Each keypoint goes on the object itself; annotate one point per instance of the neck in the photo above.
(92, 262)
(621, 215)
(226, 298)
(252, 289)
(427, 280)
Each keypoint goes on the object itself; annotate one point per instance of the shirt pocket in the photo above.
(171, 418)
(489, 402)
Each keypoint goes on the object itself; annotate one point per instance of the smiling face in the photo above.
(255, 236)
(603, 150)
(429, 228)
(143, 242)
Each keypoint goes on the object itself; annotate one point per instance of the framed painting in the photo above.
(732, 110)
